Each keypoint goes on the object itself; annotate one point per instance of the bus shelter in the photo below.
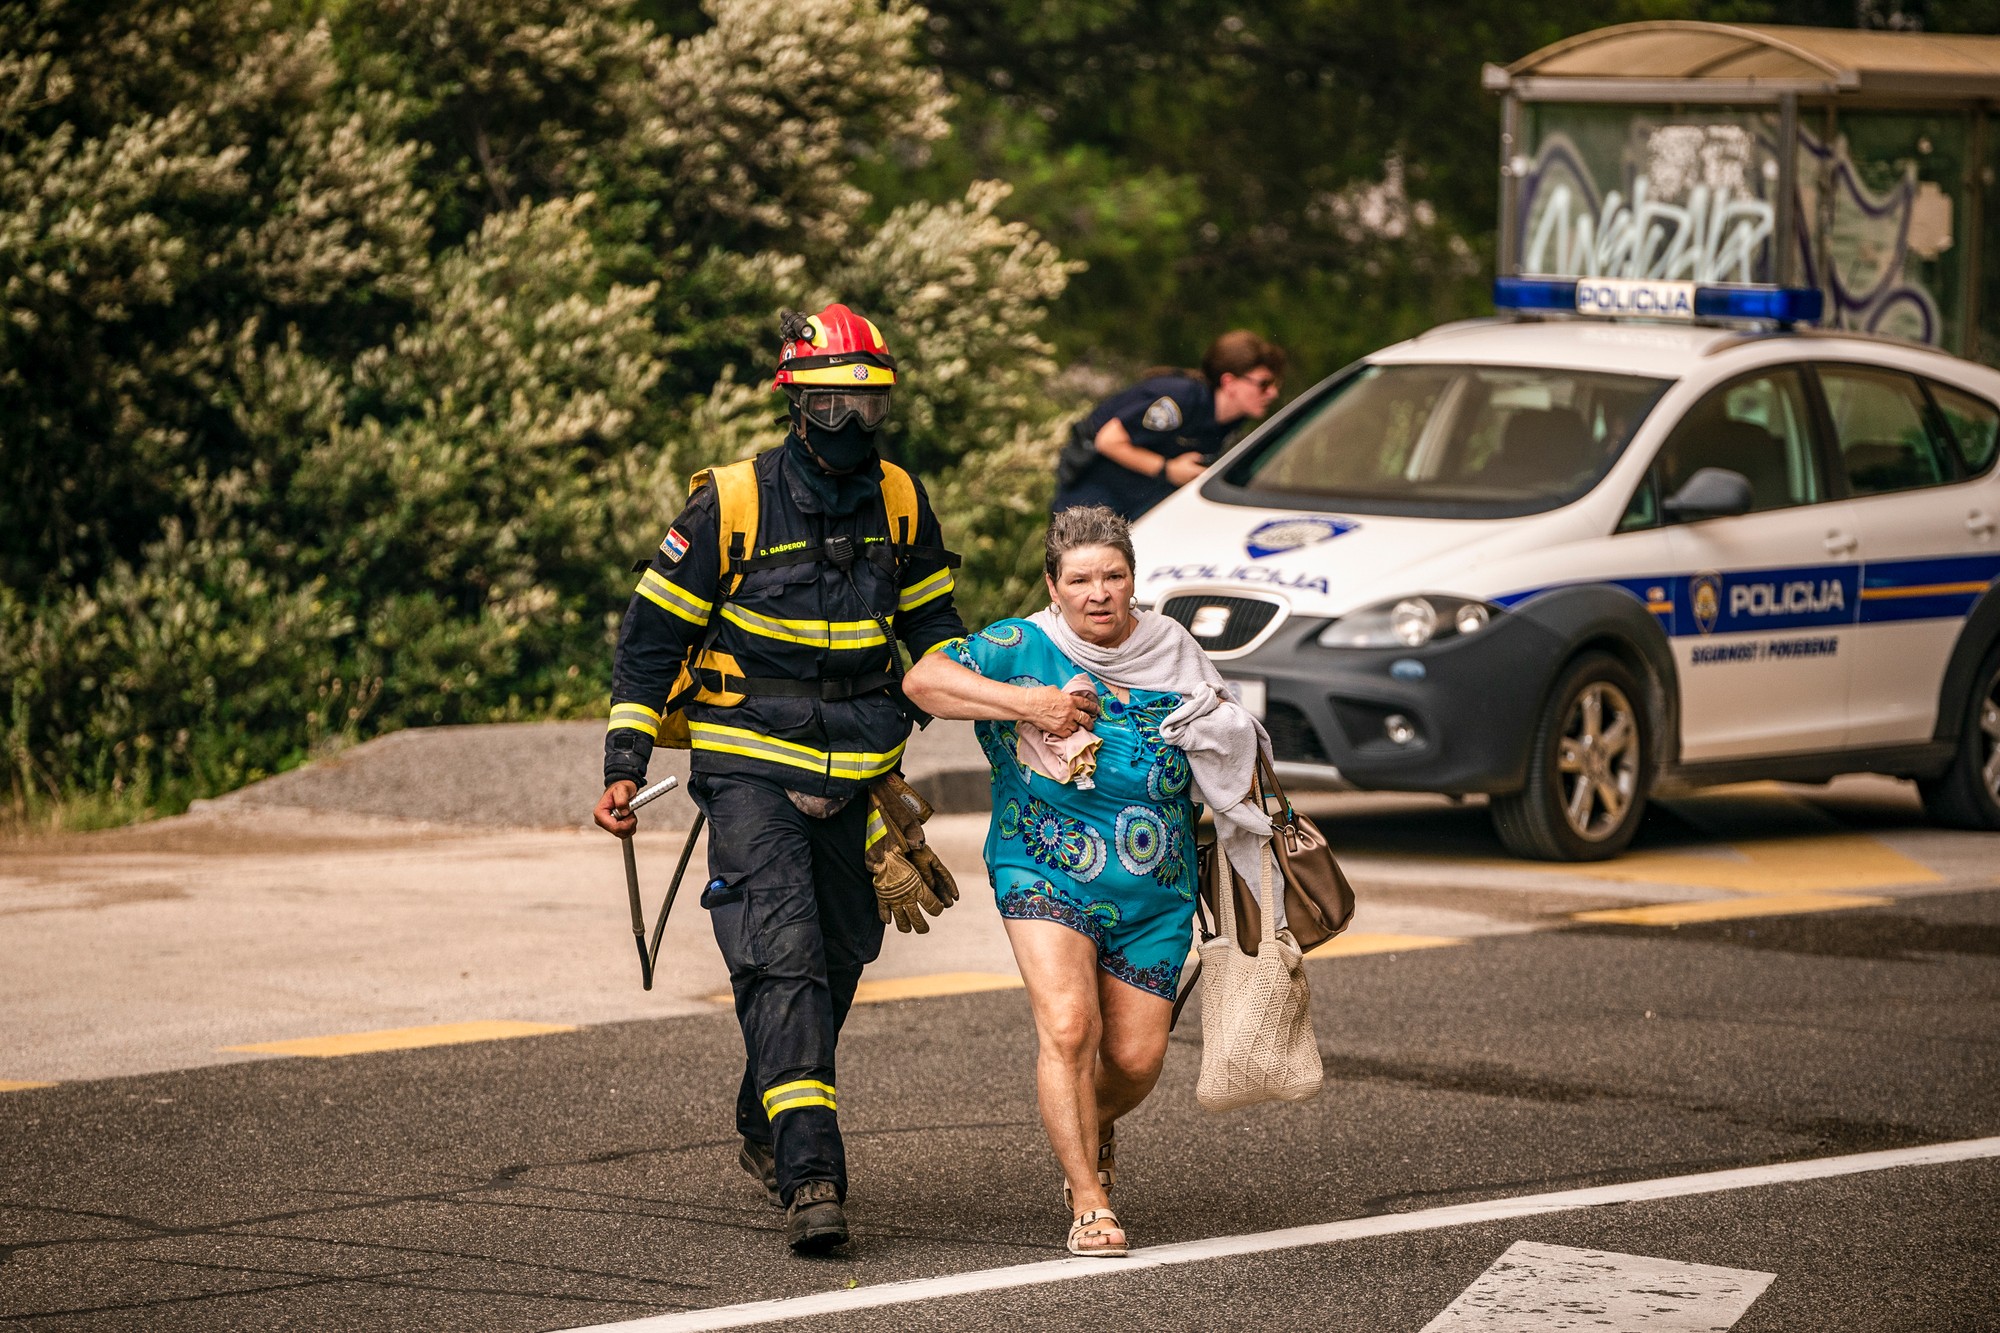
(1865, 164)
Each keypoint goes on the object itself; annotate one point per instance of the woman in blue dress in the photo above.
(1094, 872)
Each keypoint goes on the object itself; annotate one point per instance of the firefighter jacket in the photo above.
(795, 671)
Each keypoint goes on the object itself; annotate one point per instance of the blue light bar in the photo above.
(1534, 293)
(1785, 305)
(1643, 299)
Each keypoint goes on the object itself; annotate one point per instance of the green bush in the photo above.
(350, 362)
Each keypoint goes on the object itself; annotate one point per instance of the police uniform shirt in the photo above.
(800, 622)
(1168, 415)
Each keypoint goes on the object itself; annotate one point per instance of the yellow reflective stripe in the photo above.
(636, 716)
(812, 633)
(942, 643)
(673, 598)
(802, 1092)
(800, 1103)
(937, 585)
(717, 738)
(877, 830)
(862, 766)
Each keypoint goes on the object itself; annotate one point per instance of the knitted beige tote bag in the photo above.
(1256, 1013)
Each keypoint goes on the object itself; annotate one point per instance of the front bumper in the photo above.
(1473, 701)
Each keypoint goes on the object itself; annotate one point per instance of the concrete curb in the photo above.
(547, 775)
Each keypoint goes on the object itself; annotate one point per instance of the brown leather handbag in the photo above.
(1319, 902)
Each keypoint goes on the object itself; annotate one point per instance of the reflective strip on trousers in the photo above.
(798, 1094)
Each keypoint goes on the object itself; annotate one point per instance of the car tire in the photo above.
(1587, 772)
(1968, 794)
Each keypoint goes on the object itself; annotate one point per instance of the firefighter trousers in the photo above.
(793, 908)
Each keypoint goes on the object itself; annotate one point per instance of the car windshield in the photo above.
(1449, 441)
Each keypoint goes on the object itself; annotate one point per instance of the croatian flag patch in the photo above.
(675, 546)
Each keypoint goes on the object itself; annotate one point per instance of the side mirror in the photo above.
(1713, 492)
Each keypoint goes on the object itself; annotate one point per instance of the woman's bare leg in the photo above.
(1059, 967)
(1131, 1049)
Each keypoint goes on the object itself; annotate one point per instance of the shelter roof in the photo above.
(1762, 59)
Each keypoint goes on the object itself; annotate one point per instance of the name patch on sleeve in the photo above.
(674, 546)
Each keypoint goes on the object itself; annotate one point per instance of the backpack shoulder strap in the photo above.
(899, 499)
(736, 514)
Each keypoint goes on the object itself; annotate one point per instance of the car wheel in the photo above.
(1968, 795)
(1586, 787)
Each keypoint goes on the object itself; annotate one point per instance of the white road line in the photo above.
(1328, 1233)
(1545, 1288)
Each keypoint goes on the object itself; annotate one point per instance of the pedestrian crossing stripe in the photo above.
(1543, 1288)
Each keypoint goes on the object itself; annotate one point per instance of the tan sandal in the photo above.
(1107, 1168)
(1102, 1224)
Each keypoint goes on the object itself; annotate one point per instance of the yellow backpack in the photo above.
(736, 537)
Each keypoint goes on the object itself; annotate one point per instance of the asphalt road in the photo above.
(588, 1177)
(274, 1065)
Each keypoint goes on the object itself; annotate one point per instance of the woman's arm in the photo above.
(945, 688)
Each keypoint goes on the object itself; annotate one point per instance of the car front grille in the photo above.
(1241, 618)
(1293, 739)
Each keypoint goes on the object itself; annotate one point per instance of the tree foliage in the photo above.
(352, 358)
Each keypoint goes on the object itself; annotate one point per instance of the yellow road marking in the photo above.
(938, 983)
(403, 1039)
(918, 988)
(1730, 909)
(13, 1085)
(1360, 942)
(1801, 864)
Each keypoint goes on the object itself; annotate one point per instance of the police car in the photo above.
(1573, 562)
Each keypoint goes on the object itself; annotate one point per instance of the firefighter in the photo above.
(762, 636)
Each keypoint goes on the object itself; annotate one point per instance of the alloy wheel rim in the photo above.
(1597, 760)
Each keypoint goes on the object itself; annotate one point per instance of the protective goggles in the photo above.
(830, 409)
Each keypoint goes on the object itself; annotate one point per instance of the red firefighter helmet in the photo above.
(835, 348)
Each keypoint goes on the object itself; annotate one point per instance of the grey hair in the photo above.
(1086, 525)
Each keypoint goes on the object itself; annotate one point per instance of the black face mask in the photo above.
(838, 466)
(841, 451)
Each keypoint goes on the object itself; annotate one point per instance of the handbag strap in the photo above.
(1225, 901)
(1267, 788)
(1267, 905)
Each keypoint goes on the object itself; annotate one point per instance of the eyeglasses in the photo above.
(831, 409)
(1267, 385)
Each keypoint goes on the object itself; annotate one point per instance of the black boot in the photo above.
(815, 1222)
(756, 1158)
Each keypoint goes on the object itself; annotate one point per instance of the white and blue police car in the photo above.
(1570, 562)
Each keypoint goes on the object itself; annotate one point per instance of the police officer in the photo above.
(1140, 444)
(766, 623)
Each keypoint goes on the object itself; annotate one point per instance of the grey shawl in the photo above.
(1222, 738)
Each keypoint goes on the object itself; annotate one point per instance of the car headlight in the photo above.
(1409, 622)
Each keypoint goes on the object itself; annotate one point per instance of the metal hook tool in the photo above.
(649, 955)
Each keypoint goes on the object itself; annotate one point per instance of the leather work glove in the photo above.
(942, 886)
(907, 874)
(898, 801)
(900, 891)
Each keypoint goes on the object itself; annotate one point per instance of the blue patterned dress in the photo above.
(1115, 863)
